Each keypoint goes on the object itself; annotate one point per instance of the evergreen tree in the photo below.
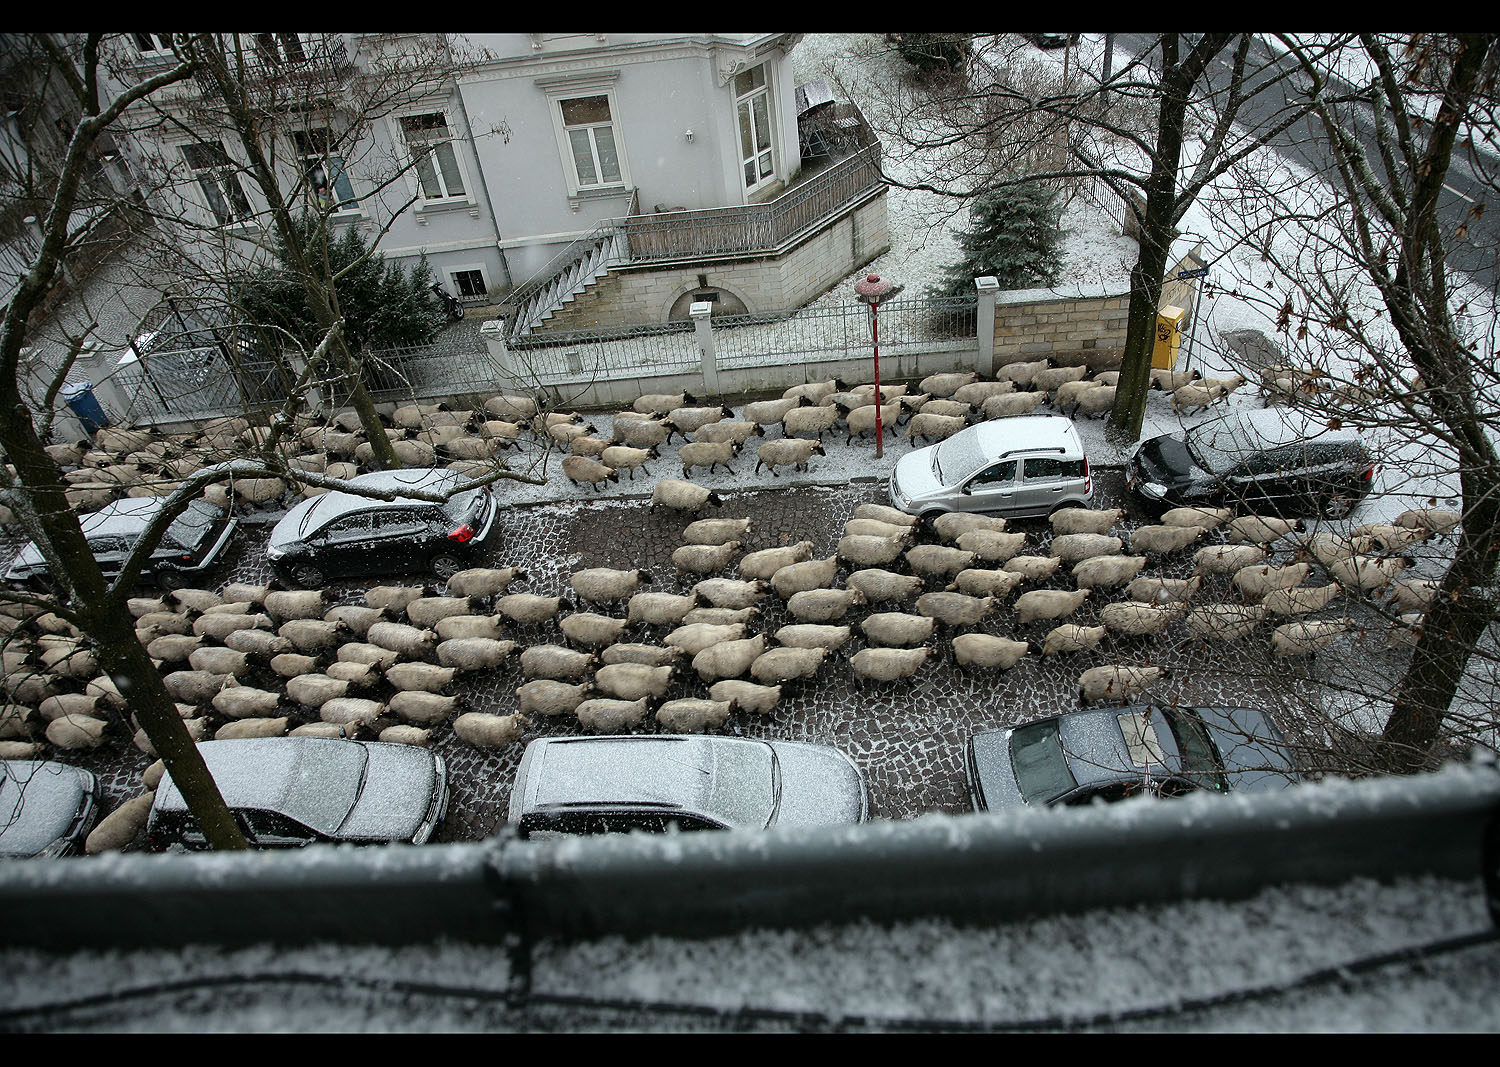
(933, 54)
(383, 305)
(1013, 236)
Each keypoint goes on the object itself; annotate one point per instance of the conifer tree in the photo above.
(1014, 236)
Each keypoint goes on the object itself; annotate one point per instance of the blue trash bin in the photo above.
(80, 397)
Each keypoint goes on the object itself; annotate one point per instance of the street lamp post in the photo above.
(872, 289)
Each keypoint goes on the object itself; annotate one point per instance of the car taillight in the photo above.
(1369, 475)
(1088, 482)
(462, 534)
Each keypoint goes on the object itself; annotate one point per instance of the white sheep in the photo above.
(372, 655)
(631, 681)
(1191, 399)
(400, 638)
(252, 728)
(882, 513)
(1172, 380)
(1262, 530)
(952, 525)
(778, 665)
(555, 662)
(120, 827)
(475, 653)
(549, 698)
(1367, 572)
(456, 626)
(661, 403)
(935, 427)
(1151, 590)
(787, 452)
(1413, 594)
(882, 586)
(304, 604)
(716, 531)
(194, 687)
(1138, 620)
(1083, 520)
(939, 559)
(895, 629)
(1049, 604)
(1117, 681)
(765, 563)
(358, 675)
(955, 609)
(975, 581)
(1224, 622)
(484, 581)
(650, 655)
(889, 664)
(1071, 637)
(1050, 379)
(426, 612)
(1021, 373)
(1032, 568)
(1102, 572)
(1097, 402)
(1302, 600)
(1307, 636)
(1163, 540)
(1255, 581)
(1006, 404)
(606, 715)
(746, 696)
(800, 577)
(862, 420)
(733, 593)
(944, 385)
(1437, 520)
(990, 546)
(695, 637)
(582, 469)
(427, 677)
(1070, 393)
(708, 454)
(659, 609)
(683, 496)
(876, 528)
(1204, 518)
(816, 419)
(310, 635)
(766, 412)
(722, 616)
(694, 715)
(823, 605)
(219, 627)
(738, 431)
(1072, 548)
(690, 419)
(358, 619)
(485, 730)
(983, 650)
(393, 598)
(813, 635)
(1226, 559)
(704, 559)
(864, 550)
(644, 434)
(528, 609)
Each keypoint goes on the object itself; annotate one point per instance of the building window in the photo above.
(753, 103)
(279, 48)
(591, 138)
(328, 183)
(431, 146)
(470, 284)
(218, 180)
(152, 43)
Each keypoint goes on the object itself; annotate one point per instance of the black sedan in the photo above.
(1271, 459)
(343, 535)
(1112, 754)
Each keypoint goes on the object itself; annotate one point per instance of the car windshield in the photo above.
(1200, 761)
(1036, 755)
(957, 458)
(1214, 447)
(744, 779)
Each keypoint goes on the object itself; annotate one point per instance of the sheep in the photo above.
(351, 712)
(563, 434)
(528, 609)
(484, 581)
(252, 728)
(1224, 622)
(1051, 379)
(990, 546)
(632, 681)
(424, 676)
(19, 750)
(173, 648)
(888, 392)
(312, 634)
(1227, 385)
(15, 721)
(315, 690)
(1163, 540)
(951, 408)
(1148, 590)
(889, 664)
(1138, 620)
(169, 622)
(358, 675)
(765, 563)
(642, 434)
(934, 427)
(1118, 681)
(219, 627)
(1416, 594)
(138, 606)
(120, 827)
(979, 582)
(357, 619)
(737, 432)
(1192, 399)
(199, 600)
(895, 629)
(1049, 604)
(603, 585)
(787, 452)
(582, 469)
(393, 598)
(1005, 404)
(1300, 600)
(1032, 568)
(485, 730)
(982, 650)
(262, 644)
(715, 531)
(708, 454)
(661, 403)
(881, 513)
(862, 420)
(693, 715)
(586, 447)
(65, 704)
(1256, 529)
(427, 612)
(370, 655)
(1383, 537)
(744, 696)
(881, 586)
(944, 385)
(799, 577)
(686, 420)
(424, 708)
(813, 635)
(732, 593)
(1437, 520)
(728, 659)
(473, 654)
(194, 687)
(1255, 581)
(1367, 572)
(1226, 559)
(695, 637)
(1305, 637)
(555, 662)
(976, 393)
(816, 419)
(650, 655)
(1070, 637)
(1171, 381)
(1021, 373)
(543, 696)
(511, 407)
(589, 630)
(400, 638)
(704, 559)
(1082, 520)
(863, 550)
(406, 735)
(786, 664)
(1095, 402)
(1102, 572)
(610, 716)
(683, 496)
(938, 559)
(766, 412)
(876, 528)
(814, 391)
(955, 609)
(823, 605)
(1071, 548)
(623, 457)
(721, 616)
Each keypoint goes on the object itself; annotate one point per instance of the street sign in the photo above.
(1184, 275)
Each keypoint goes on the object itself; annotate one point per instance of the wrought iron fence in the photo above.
(590, 355)
(451, 364)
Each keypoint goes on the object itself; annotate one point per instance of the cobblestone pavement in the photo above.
(907, 737)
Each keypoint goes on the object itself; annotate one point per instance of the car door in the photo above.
(1258, 482)
(401, 539)
(992, 489)
(111, 553)
(353, 544)
(1045, 481)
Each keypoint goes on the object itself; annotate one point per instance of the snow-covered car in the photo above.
(1272, 459)
(1021, 466)
(597, 785)
(1111, 754)
(46, 808)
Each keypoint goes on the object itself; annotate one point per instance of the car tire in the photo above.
(1337, 503)
(308, 576)
(169, 579)
(445, 566)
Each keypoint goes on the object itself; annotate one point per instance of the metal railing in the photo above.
(583, 356)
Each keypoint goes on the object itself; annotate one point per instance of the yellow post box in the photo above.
(1168, 338)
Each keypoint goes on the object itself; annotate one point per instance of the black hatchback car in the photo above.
(1114, 753)
(1271, 459)
(342, 535)
(192, 544)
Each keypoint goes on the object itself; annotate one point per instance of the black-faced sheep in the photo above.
(694, 715)
(882, 513)
(799, 577)
(864, 550)
(938, 559)
(787, 452)
(1102, 572)
(823, 605)
(473, 654)
(765, 563)
(485, 730)
(1117, 682)
(400, 638)
(1226, 559)
(1163, 540)
(1048, 604)
(1134, 619)
(990, 546)
(812, 635)
(715, 531)
(1071, 548)
(786, 664)
(889, 664)
(746, 696)
(1151, 590)
(895, 629)
(1070, 637)
(704, 559)
(1205, 518)
(650, 655)
(728, 659)
(544, 696)
(1306, 637)
(1224, 622)
(882, 586)
(1083, 520)
(484, 581)
(1260, 530)
(683, 496)
(605, 715)
(528, 609)
(632, 681)
(983, 650)
(556, 662)
(695, 637)
(1301, 600)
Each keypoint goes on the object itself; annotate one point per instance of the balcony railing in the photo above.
(282, 59)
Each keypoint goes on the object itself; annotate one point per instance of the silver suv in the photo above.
(1020, 466)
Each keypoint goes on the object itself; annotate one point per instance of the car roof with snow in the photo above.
(312, 515)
